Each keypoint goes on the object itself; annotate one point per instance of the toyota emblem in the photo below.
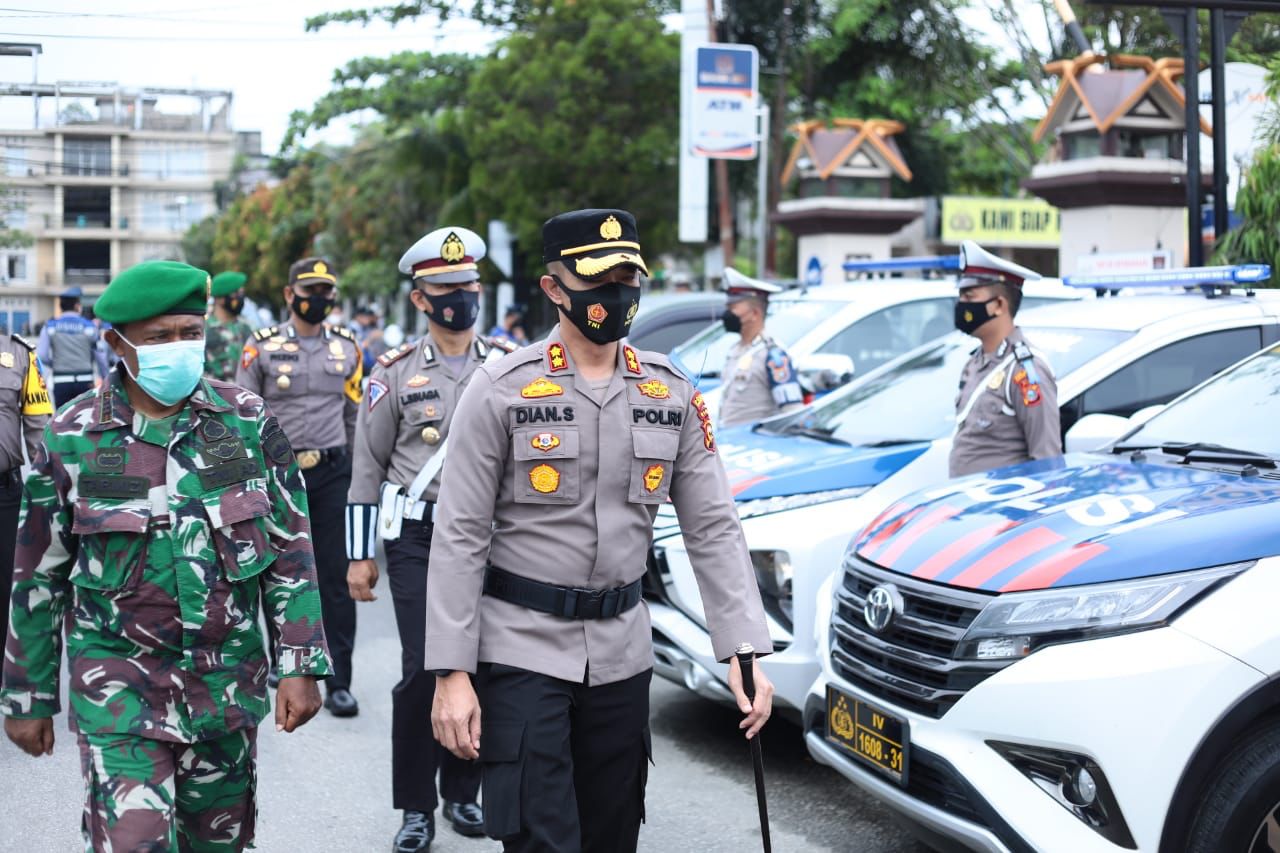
(882, 604)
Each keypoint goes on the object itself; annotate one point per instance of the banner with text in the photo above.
(1001, 222)
(724, 102)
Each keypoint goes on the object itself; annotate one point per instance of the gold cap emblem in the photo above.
(453, 250)
(611, 228)
(321, 268)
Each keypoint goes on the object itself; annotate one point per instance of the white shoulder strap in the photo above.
(973, 398)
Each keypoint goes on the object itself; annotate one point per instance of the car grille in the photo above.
(912, 663)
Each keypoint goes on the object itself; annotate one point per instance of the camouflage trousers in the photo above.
(155, 796)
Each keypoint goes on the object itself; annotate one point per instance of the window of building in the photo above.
(13, 267)
(1078, 146)
(1150, 146)
(15, 160)
(86, 157)
(168, 160)
(172, 211)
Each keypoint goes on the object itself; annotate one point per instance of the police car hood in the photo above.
(1084, 519)
(765, 465)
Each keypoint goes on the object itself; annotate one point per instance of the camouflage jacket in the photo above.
(169, 646)
(224, 342)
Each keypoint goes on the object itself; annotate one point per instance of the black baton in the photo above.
(746, 658)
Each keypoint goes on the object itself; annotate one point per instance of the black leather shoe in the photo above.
(273, 678)
(341, 703)
(416, 834)
(467, 818)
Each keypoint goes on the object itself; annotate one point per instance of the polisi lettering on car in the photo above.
(1029, 495)
(543, 414)
(658, 417)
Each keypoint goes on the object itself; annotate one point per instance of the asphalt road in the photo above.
(327, 787)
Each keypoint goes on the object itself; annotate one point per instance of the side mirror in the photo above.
(821, 372)
(1093, 432)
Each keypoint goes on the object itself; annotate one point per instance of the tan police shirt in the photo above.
(759, 382)
(547, 481)
(312, 384)
(1014, 418)
(25, 405)
(409, 405)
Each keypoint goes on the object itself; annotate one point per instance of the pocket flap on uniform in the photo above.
(655, 443)
(95, 516)
(549, 443)
(239, 502)
(501, 742)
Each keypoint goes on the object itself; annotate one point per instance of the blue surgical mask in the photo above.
(168, 372)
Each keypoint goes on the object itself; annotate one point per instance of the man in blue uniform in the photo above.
(69, 345)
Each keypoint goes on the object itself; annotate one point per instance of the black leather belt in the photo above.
(308, 459)
(565, 601)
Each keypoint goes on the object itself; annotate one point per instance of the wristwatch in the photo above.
(442, 673)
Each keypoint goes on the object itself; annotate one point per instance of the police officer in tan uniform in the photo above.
(759, 378)
(562, 454)
(1007, 408)
(401, 440)
(310, 373)
(25, 407)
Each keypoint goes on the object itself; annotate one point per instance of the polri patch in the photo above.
(377, 391)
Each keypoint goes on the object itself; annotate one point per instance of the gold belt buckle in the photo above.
(308, 459)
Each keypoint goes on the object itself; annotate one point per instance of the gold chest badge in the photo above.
(996, 378)
(653, 478)
(655, 388)
(336, 350)
(6, 359)
(431, 435)
(545, 441)
(544, 479)
(418, 380)
(541, 387)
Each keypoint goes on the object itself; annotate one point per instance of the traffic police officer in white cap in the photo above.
(759, 379)
(402, 438)
(1007, 408)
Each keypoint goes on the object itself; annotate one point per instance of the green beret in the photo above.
(151, 289)
(227, 283)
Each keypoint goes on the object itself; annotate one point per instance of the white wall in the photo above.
(832, 250)
(1121, 228)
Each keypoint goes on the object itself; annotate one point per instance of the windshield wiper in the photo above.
(1209, 452)
(894, 442)
(819, 433)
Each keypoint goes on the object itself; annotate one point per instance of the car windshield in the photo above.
(1250, 392)
(789, 319)
(913, 398)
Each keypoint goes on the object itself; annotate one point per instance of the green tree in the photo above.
(578, 110)
(197, 243)
(11, 204)
(1257, 238)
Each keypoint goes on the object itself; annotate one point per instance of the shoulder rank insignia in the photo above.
(556, 358)
(632, 360)
(265, 334)
(502, 344)
(545, 441)
(23, 341)
(342, 332)
(655, 388)
(540, 387)
(391, 356)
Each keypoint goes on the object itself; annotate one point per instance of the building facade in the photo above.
(115, 178)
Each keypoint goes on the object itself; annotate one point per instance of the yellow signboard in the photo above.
(1001, 221)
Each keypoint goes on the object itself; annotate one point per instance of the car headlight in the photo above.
(774, 574)
(1016, 624)
(782, 503)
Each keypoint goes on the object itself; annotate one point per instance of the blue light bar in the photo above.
(946, 263)
(1190, 277)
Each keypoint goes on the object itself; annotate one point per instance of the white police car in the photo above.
(806, 482)
(834, 331)
(1078, 654)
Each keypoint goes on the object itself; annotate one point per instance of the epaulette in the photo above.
(510, 362)
(344, 332)
(650, 358)
(26, 343)
(502, 344)
(391, 356)
(263, 334)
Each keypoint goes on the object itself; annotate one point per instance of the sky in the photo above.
(260, 50)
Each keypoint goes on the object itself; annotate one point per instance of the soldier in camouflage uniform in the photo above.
(160, 510)
(225, 330)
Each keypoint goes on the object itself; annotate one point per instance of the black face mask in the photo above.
(732, 322)
(604, 314)
(456, 310)
(312, 309)
(971, 315)
(234, 304)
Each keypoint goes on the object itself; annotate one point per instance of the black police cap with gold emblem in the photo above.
(312, 271)
(592, 242)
